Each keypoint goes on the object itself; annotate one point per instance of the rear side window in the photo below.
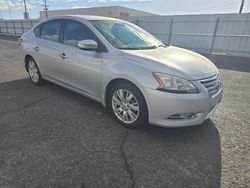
(75, 31)
(51, 30)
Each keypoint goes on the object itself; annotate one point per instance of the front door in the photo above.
(80, 68)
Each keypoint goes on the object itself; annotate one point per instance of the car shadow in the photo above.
(189, 157)
(155, 156)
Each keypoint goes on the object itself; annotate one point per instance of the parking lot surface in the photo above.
(53, 137)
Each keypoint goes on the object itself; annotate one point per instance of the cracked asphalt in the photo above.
(52, 137)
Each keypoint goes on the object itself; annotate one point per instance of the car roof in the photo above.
(84, 17)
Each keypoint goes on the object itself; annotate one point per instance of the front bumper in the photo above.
(162, 106)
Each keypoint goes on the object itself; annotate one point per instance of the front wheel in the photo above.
(34, 72)
(128, 105)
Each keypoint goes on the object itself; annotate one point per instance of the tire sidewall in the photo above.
(40, 80)
(143, 113)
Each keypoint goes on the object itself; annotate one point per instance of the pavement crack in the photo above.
(35, 102)
(127, 166)
(27, 105)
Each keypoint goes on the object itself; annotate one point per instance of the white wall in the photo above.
(199, 32)
(16, 27)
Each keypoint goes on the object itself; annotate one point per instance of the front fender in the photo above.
(138, 75)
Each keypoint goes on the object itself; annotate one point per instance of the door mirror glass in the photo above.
(88, 44)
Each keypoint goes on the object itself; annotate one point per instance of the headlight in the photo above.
(174, 84)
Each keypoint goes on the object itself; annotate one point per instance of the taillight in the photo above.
(19, 41)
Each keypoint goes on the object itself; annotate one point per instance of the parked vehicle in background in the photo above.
(138, 78)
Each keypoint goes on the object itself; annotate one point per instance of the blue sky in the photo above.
(163, 7)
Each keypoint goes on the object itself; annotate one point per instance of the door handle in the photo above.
(63, 56)
(36, 49)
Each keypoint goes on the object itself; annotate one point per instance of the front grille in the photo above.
(213, 84)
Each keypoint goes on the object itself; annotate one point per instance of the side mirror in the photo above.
(88, 45)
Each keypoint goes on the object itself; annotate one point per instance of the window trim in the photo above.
(39, 25)
(101, 46)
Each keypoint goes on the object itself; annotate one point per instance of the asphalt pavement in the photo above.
(53, 137)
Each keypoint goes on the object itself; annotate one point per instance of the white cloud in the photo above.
(62, 1)
(75, 7)
(18, 4)
(97, 1)
(13, 5)
(130, 0)
(104, 1)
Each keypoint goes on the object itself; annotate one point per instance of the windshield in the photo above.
(124, 35)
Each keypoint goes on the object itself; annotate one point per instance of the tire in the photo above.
(129, 111)
(34, 72)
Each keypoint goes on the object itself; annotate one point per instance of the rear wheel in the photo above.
(128, 105)
(34, 72)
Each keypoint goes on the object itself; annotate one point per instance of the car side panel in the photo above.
(82, 69)
(48, 57)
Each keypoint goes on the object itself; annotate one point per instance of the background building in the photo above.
(109, 11)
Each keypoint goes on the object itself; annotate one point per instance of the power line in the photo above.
(209, 8)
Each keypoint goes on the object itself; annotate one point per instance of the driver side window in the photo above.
(75, 31)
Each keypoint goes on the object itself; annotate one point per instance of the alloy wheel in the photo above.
(125, 106)
(33, 71)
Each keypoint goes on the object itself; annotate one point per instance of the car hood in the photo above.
(174, 61)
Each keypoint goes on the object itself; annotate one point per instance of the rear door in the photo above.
(47, 49)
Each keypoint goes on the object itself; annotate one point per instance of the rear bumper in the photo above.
(194, 109)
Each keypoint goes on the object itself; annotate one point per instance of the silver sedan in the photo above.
(136, 77)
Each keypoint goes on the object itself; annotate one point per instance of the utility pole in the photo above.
(241, 6)
(25, 10)
(45, 8)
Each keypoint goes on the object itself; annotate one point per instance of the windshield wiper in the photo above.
(162, 45)
(127, 48)
(143, 48)
(156, 46)
(138, 48)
